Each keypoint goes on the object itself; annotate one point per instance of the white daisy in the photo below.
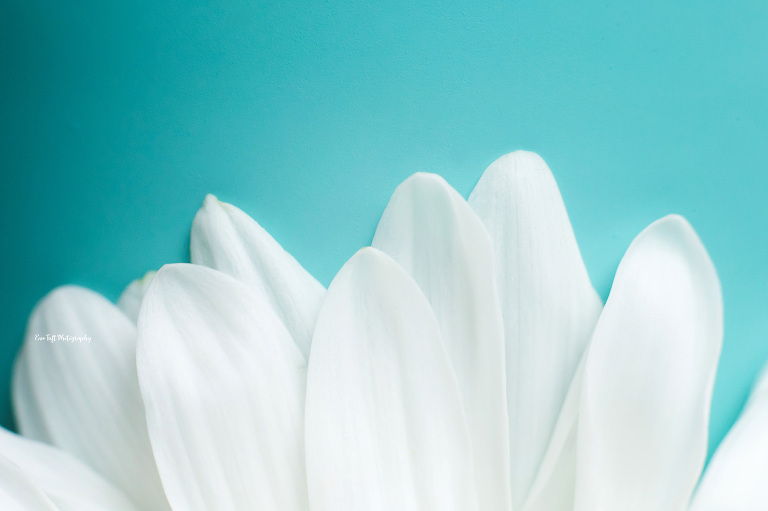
(464, 362)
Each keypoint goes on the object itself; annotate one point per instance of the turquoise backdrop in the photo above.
(118, 117)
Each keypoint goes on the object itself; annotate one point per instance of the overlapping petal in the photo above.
(226, 239)
(554, 487)
(18, 492)
(548, 304)
(130, 299)
(429, 229)
(643, 418)
(83, 395)
(385, 427)
(450, 368)
(737, 475)
(223, 385)
(64, 479)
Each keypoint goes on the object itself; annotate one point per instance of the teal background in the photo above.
(118, 117)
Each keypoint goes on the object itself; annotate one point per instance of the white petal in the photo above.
(547, 302)
(26, 408)
(737, 475)
(83, 395)
(68, 482)
(384, 427)
(429, 229)
(223, 385)
(226, 239)
(649, 376)
(554, 487)
(18, 492)
(130, 300)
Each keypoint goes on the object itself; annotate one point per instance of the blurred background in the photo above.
(118, 117)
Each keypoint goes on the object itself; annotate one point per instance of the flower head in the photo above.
(462, 362)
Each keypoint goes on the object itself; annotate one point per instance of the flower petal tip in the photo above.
(521, 160)
(369, 255)
(210, 200)
(424, 178)
(64, 296)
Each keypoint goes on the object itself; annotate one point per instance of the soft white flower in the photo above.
(464, 362)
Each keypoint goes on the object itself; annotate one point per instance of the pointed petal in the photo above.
(223, 385)
(226, 239)
(130, 300)
(18, 492)
(649, 376)
(548, 304)
(431, 231)
(737, 475)
(68, 482)
(385, 429)
(83, 395)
